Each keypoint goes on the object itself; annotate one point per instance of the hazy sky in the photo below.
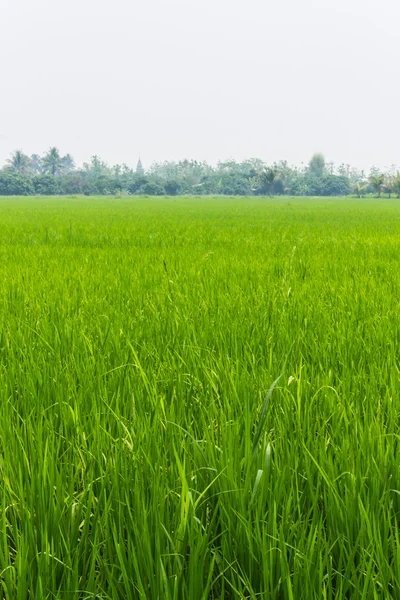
(205, 79)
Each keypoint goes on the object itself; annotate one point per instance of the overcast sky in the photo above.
(205, 79)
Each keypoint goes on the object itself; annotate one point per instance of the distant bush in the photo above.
(15, 185)
(46, 185)
(56, 174)
(172, 187)
(152, 189)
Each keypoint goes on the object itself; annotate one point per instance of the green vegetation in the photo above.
(54, 174)
(199, 398)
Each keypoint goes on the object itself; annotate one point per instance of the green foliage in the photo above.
(316, 166)
(190, 177)
(46, 185)
(189, 173)
(152, 188)
(74, 183)
(172, 187)
(396, 184)
(12, 184)
(19, 163)
(52, 162)
(268, 177)
(377, 181)
(327, 185)
(360, 189)
(137, 182)
(67, 164)
(35, 164)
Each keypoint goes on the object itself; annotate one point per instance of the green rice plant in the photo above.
(199, 398)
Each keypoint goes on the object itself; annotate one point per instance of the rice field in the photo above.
(199, 398)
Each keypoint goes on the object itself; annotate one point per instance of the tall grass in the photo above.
(199, 399)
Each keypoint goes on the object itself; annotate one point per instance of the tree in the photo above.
(46, 185)
(97, 167)
(268, 177)
(344, 170)
(13, 184)
(396, 184)
(35, 164)
(172, 187)
(152, 189)
(327, 185)
(359, 189)
(316, 165)
(137, 182)
(19, 163)
(376, 182)
(254, 183)
(388, 186)
(52, 162)
(233, 184)
(67, 164)
(73, 183)
(56, 174)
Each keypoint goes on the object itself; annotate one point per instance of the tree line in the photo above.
(54, 174)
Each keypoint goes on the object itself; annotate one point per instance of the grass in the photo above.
(199, 398)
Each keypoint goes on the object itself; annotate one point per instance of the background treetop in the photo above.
(54, 173)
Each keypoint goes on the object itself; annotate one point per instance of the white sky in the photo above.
(205, 79)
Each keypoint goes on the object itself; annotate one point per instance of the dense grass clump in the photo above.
(148, 448)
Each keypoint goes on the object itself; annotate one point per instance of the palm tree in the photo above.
(253, 181)
(52, 162)
(19, 162)
(376, 182)
(359, 189)
(67, 164)
(35, 164)
(395, 184)
(388, 187)
(269, 176)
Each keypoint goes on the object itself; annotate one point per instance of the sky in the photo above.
(204, 79)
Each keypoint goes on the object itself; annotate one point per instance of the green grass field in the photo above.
(143, 451)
